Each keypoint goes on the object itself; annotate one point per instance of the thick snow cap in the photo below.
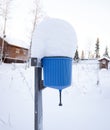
(54, 37)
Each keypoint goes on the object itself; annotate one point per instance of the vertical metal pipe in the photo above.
(60, 103)
(38, 125)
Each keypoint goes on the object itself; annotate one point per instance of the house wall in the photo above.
(13, 53)
(101, 65)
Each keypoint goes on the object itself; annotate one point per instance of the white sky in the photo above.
(19, 23)
(90, 18)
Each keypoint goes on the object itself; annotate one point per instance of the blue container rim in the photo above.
(57, 57)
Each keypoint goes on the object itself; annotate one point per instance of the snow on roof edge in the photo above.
(104, 57)
(16, 42)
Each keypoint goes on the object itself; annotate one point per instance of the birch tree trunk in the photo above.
(4, 6)
(37, 16)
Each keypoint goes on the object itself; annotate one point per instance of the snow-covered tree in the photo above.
(76, 57)
(97, 55)
(106, 52)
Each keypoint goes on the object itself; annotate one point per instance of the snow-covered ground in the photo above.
(86, 104)
(16, 97)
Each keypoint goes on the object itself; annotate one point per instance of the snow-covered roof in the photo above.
(104, 57)
(16, 42)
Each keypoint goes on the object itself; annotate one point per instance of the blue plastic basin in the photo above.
(57, 72)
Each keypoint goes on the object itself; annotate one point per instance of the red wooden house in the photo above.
(11, 53)
(103, 62)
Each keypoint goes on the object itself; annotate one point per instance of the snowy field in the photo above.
(86, 104)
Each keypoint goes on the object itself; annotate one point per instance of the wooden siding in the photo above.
(13, 53)
(103, 63)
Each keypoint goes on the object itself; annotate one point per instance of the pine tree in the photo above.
(97, 49)
(76, 57)
(106, 52)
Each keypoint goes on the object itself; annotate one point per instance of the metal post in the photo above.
(38, 116)
(38, 99)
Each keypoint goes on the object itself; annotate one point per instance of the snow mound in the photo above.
(54, 37)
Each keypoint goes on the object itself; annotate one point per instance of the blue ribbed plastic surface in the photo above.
(57, 72)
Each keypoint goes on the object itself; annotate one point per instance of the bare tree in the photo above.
(4, 8)
(37, 17)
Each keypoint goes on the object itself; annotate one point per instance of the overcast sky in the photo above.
(90, 18)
